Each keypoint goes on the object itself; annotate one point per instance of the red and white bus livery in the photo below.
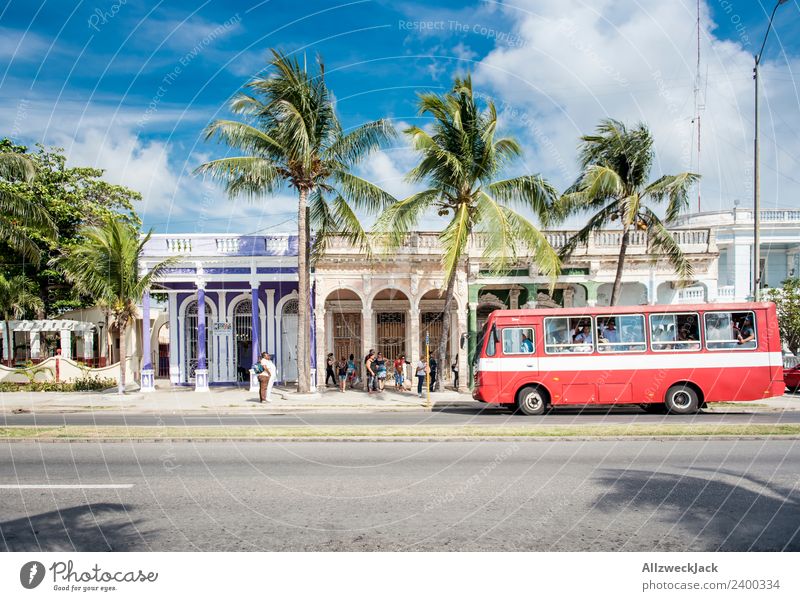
(677, 357)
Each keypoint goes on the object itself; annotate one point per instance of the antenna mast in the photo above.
(699, 106)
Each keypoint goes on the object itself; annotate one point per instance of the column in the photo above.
(472, 328)
(312, 337)
(148, 374)
(174, 329)
(66, 344)
(201, 373)
(367, 342)
(416, 348)
(319, 350)
(742, 267)
(446, 371)
(35, 343)
(270, 335)
(591, 292)
(88, 346)
(513, 298)
(8, 341)
(255, 327)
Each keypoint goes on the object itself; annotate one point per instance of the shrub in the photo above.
(86, 383)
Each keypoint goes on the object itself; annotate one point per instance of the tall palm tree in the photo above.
(460, 161)
(104, 265)
(18, 295)
(616, 164)
(292, 137)
(20, 213)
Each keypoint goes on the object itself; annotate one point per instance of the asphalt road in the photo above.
(558, 495)
(454, 416)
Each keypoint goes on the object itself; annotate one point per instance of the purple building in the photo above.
(246, 286)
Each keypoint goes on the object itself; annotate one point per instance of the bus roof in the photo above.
(620, 310)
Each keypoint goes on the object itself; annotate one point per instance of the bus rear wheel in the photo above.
(681, 400)
(531, 401)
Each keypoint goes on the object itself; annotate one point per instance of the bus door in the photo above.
(618, 336)
(567, 361)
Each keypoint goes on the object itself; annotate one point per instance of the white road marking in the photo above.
(66, 486)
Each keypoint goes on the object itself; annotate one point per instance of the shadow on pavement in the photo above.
(742, 513)
(97, 527)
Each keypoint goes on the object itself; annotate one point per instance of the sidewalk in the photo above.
(240, 400)
(226, 400)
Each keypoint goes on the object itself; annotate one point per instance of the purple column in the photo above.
(146, 330)
(201, 328)
(256, 324)
(313, 334)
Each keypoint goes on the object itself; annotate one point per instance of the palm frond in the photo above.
(596, 222)
(362, 194)
(530, 191)
(675, 189)
(397, 221)
(248, 175)
(454, 239)
(351, 148)
(660, 240)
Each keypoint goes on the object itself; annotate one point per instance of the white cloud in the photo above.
(580, 63)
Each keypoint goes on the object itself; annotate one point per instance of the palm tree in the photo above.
(460, 161)
(616, 167)
(18, 295)
(20, 214)
(104, 265)
(292, 137)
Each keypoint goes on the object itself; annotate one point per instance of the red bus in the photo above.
(673, 357)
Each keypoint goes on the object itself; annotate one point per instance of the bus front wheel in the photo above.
(681, 400)
(531, 401)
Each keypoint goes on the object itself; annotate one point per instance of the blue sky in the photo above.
(129, 86)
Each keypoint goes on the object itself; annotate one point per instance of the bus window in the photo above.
(675, 332)
(491, 342)
(620, 334)
(568, 335)
(727, 330)
(518, 341)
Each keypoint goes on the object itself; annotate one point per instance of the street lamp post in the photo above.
(756, 180)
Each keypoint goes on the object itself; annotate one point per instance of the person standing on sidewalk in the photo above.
(273, 375)
(372, 381)
(264, 379)
(454, 367)
(329, 373)
(422, 368)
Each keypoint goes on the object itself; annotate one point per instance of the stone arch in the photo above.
(213, 351)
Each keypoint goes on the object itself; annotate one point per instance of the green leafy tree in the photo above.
(18, 296)
(616, 165)
(291, 136)
(104, 265)
(73, 197)
(787, 302)
(460, 162)
(22, 216)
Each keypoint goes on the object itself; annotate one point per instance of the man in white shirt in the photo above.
(273, 374)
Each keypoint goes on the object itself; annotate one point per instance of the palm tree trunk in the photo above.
(304, 311)
(623, 247)
(449, 295)
(123, 331)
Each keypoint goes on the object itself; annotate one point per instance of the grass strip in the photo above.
(255, 432)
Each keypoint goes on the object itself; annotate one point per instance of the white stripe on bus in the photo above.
(689, 361)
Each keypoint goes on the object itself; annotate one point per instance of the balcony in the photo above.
(738, 216)
(215, 245)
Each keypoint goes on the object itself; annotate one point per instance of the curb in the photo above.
(479, 438)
